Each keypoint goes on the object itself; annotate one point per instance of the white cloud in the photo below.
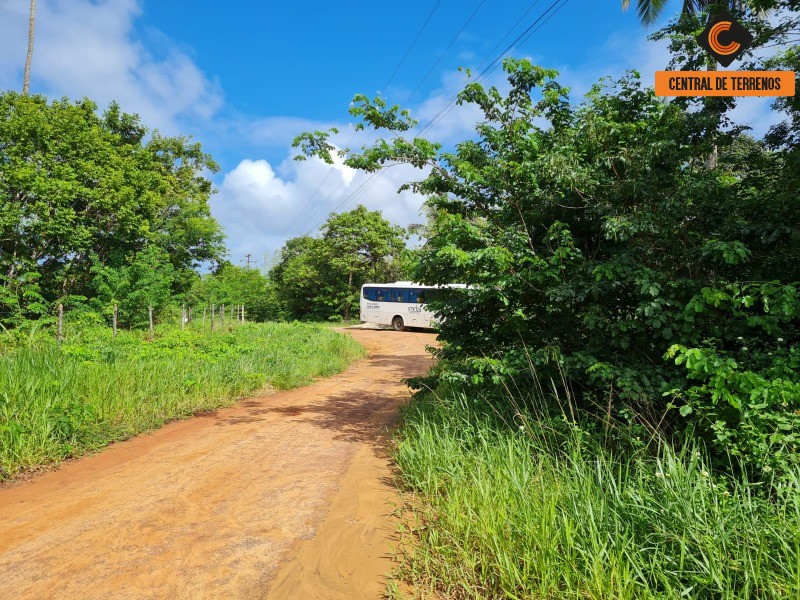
(89, 48)
(451, 122)
(261, 206)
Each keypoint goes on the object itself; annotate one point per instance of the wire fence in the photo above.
(215, 317)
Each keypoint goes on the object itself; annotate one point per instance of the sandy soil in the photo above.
(284, 496)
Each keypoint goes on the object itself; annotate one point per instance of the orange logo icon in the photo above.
(724, 38)
(713, 39)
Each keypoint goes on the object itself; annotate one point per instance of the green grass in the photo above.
(520, 511)
(62, 402)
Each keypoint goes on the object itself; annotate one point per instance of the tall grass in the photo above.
(531, 511)
(60, 402)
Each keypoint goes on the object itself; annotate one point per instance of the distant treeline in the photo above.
(97, 212)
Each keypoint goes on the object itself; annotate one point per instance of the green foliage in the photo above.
(230, 285)
(755, 418)
(145, 282)
(321, 277)
(596, 236)
(522, 505)
(82, 195)
(57, 402)
(298, 278)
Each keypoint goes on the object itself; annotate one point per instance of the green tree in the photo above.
(80, 190)
(361, 245)
(321, 277)
(297, 277)
(236, 286)
(144, 281)
(603, 252)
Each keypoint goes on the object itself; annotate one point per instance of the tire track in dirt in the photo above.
(287, 491)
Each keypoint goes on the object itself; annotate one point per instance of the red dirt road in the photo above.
(282, 496)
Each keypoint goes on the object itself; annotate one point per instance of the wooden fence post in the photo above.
(60, 334)
(150, 313)
(114, 322)
(222, 315)
(183, 316)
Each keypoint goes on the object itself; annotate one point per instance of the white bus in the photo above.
(400, 304)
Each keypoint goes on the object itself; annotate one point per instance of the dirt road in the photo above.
(282, 496)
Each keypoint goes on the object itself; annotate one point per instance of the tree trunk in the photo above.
(26, 78)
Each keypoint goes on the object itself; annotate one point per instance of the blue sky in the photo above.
(308, 59)
(244, 78)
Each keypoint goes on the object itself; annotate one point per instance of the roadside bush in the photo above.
(598, 236)
(751, 416)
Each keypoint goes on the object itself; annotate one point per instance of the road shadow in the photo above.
(362, 417)
(352, 415)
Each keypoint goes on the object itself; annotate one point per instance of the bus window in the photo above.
(420, 297)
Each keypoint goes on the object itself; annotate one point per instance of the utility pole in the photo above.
(247, 258)
(26, 77)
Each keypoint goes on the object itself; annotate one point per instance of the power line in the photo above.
(310, 200)
(386, 85)
(359, 191)
(446, 50)
(537, 24)
(371, 181)
(508, 33)
(413, 43)
(523, 37)
(520, 39)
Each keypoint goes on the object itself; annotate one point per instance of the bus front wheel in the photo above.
(397, 324)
